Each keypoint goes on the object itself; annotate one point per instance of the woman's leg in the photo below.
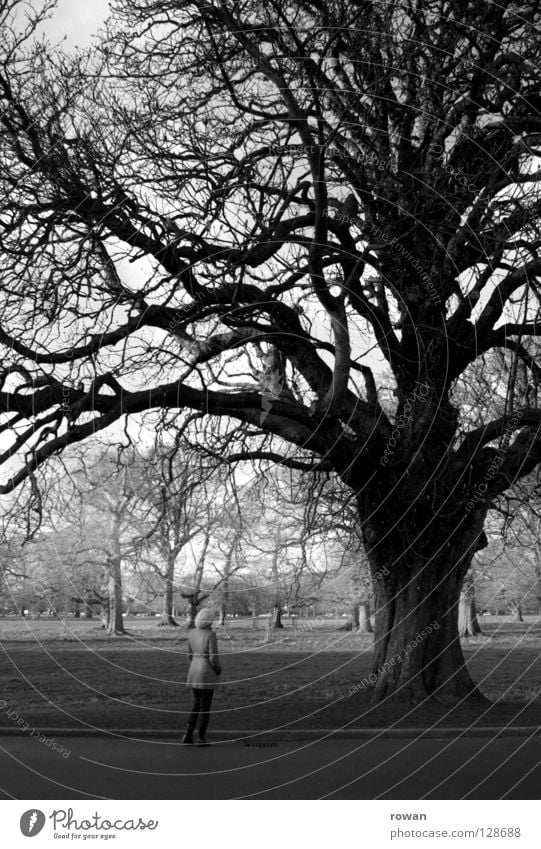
(196, 707)
(192, 719)
(206, 702)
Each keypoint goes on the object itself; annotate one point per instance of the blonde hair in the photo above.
(205, 617)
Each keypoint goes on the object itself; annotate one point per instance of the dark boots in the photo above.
(188, 739)
(188, 736)
(202, 739)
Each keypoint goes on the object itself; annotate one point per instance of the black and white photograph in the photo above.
(270, 421)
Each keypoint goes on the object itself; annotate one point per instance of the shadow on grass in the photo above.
(118, 685)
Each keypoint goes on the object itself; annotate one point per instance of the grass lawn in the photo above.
(65, 674)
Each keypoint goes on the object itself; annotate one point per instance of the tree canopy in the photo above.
(305, 223)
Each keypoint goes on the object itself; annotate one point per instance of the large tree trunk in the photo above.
(167, 614)
(224, 599)
(417, 651)
(195, 600)
(360, 619)
(365, 626)
(468, 626)
(538, 582)
(115, 624)
(222, 614)
(276, 618)
(517, 610)
(191, 613)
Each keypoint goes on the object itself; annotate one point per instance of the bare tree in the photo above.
(283, 541)
(178, 506)
(108, 514)
(219, 556)
(298, 186)
(508, 573)
(233, 560)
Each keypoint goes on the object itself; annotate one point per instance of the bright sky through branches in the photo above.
(78, 20)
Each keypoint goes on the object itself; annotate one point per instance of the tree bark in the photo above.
(194, 600)
(115, 623)
(417, 651)
(537, 569)
(224, 599)
(360, 619)
(191, 613)
(468, 625)
(365, 626)
(276, 619)
(222, 614)
(518, 612)
(167, 614)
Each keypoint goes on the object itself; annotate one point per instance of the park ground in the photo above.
(109, 767)
(71, 675)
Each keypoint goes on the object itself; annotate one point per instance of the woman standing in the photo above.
(203, 673)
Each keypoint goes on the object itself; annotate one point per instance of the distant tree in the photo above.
(233, 559)
(468, 624)
(283, 542)
(176, 495)
(108, 513)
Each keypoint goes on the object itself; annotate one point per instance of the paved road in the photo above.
(107, 768)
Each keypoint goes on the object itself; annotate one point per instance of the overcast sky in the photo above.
(78, 20)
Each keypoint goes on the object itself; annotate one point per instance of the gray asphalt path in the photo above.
(105, 768)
